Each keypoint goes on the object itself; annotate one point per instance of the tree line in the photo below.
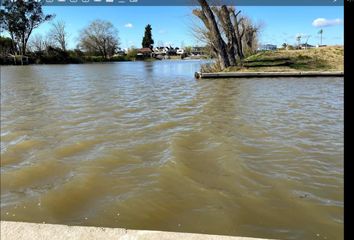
(229, 36)
(99, 40)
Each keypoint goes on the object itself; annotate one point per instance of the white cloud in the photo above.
(128, 25)
(323, 22)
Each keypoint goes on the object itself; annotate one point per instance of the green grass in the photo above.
(315, 59)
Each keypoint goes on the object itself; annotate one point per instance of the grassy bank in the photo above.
(315, 59)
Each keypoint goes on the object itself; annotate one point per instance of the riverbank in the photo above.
(324, 59)
(48, 59)
(35, 231)
(314, 59)
(16, 60)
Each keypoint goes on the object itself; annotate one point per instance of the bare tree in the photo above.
(216, 40)
(250, 35)
(40, 43)
(100, 37)
(298, 39)
(225, 33)
(37, 43)
(59, 35)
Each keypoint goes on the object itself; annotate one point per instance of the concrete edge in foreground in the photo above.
(34, 231)
(267, 74)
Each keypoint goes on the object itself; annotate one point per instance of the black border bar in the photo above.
(192, 2)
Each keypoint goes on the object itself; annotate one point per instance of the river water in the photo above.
(144, 145)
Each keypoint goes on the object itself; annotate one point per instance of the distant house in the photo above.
(171, 51)
(160, 50)
(180, 51)
(305, 46)
(144, 52)
(165, 51)
(267, 47)
(120, 52)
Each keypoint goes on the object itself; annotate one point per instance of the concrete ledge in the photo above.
(33, 231)
(267, 74)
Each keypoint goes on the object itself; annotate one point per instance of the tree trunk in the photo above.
(217, 40)
(230, 34)
(239, 36)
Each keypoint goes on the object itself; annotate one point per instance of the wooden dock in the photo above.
(199, 75)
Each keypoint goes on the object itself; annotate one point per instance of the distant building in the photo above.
(160, 50)
(120, 52)
(165, 51)
(267, 47)
(180, 51)
(305, 46)
(144, 52)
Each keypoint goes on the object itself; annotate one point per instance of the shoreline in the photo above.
(42, 231)
(200, 75)
(104, 62)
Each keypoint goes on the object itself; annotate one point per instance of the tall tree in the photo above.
(218, 44)
(298, 39)
(148, 42)
(321, 32)
(20, 18)
(59, 34)
(100, 37)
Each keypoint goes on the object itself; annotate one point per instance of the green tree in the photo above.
(147, 39)
(188, 50)
(20, 18)
(131, 54)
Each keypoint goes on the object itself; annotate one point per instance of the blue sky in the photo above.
(172, 25)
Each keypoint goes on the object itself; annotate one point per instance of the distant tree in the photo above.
(100, 37)
(132, 53)
(59, 34)
(321, 32)
(284, 45)
(188, 50)
(147, 39)
(20, 18)
(37, 43)
(298, 39)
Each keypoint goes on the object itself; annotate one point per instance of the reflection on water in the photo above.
(146, 146)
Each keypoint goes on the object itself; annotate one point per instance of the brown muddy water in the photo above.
(146, 146)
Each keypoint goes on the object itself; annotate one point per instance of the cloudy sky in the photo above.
(172, 25)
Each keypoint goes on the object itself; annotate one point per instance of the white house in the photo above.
(267, 47)
(180, 51)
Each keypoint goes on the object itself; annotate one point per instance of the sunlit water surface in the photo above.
(144, 145)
